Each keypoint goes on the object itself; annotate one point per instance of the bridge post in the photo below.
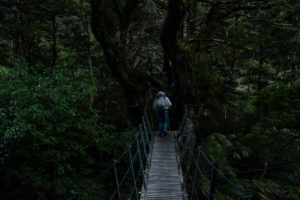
(183, 120)
(138, 150)
(147, 136)
(184, 131)
(136, 197)
(144, 145)
(148, 124)
(116, 182)
(213, 182)
(199, 160)
(187, 169)
(187, 140)
(181, 140)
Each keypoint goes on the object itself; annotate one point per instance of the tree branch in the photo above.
(162, 4)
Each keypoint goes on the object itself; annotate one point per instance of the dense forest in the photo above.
(76, 75)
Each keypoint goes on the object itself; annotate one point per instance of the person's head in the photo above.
(160, 94)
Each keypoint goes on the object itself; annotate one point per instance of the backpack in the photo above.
(161, 103)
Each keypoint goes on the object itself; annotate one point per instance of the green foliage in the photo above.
(277, 122)
(50, 134)
(220, 149)
(240, 65)
(273, 140)
(280, 106)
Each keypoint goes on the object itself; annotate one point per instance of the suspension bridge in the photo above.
(166, 168)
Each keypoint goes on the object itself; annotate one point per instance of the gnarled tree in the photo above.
(178, 53)
(195, 26)
(111, 20)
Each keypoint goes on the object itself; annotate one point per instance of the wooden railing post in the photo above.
(116, 182)
(138, 150)
(135, 192)
(213, 182)
(197, 172)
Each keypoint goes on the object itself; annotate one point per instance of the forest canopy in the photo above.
(76, 75)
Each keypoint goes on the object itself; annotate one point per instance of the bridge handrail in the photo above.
(186, 142)
(237, 188)
(143, 141)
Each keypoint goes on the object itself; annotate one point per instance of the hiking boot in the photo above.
(165, 133)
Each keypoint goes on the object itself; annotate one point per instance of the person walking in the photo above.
(161, 105)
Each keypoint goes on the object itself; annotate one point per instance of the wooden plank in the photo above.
(164, 180)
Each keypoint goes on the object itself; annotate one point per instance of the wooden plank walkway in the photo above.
(164, 178)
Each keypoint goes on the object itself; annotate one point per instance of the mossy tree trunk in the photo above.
(110, 24)
(177, 42)
(179, 54)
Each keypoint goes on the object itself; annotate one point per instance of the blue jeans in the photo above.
(162, 122)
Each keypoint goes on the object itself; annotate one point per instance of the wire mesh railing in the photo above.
(200, 174)
(127, 173)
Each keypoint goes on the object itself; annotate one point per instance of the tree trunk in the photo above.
(178, 54)
(111, 29)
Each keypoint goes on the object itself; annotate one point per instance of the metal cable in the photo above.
(203, 177)
(187, 133)
(206, 182)
(116, 162)
(236, 188)
(190, 176)
(122, 155)
(136, 181)
(124, 177)
(112, 196)
(92, 182)
(197, 196)
(127, 149)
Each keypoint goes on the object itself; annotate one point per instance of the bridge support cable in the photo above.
(181, 135)
(144, 146)
(168, 158)
(196, 176)
(146, 134)
(126, 173)
(148, 125)
(213, 182)
(116, 182)
(132, 174)
(185, 147)
(190, 157)
(141, 168)
(182, 124)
